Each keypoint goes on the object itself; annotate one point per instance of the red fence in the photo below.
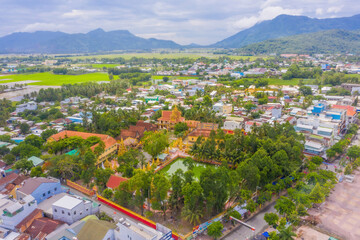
(132, 214)
(80, 188)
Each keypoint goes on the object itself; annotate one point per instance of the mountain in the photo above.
(330, 41)
(285, 25)
(95, 41)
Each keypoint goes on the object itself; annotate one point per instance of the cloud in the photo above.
(265, 14)
(336, 9)
(185, 21)
(319, 11)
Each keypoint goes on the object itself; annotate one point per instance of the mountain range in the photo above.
(284, 33)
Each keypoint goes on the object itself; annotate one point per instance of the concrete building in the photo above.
(40, 188)
(70, 209)
(14, 211)
(26, 106)
(127, 229)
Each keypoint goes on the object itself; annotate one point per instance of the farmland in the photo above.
(49, 79)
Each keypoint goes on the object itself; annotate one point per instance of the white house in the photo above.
(71, 209)
(26, 106)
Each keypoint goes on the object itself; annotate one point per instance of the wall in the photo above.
(46, 190)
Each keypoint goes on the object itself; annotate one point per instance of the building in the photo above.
(170, 118)
(222, 108)
(70, 209)
(36, 161)
(115, 181)
(350, 86)
(250, 124)
(26, 106)
(40, 188)
(14, 211)
(98, 230)
(127, 229)
(233, 123)
(109, 142)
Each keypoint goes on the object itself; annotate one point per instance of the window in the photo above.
(55, 210)
(69, 213)
(74, 212)
(43, 194)
(87, 209)
(48, 192)
(62, 212)
(55, 189)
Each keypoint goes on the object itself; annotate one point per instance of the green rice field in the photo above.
(49, 79)
(179, 164)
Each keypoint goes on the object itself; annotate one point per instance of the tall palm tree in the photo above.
(286, 234)
(192, 216)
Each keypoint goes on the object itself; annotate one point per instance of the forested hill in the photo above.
(331, 41)
(91, 42)
(285, 25)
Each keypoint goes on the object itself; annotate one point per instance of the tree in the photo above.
(248, 106)
(4, 150)
(165, 79)
(285, 206)
(107, 193)
(305, 90)
(155, 142)
(34, 140)
(272, 219)
(193, 202)
(286, 234)
(159, 192)
(177, 183)
(215, 230)
(24, 150)
(24, 128)
(102, 176)
(317, 194)
(353, 152)
(250, 174)
(23, 165)
(251, 205)
(180, 128)
(37, 172)
(9, 159)
(48, 133)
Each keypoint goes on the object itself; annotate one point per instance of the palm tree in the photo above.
(286, 234)
(192, 216)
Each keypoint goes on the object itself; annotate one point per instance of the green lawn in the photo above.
(295, 81)
(49, 79)
(179, 164)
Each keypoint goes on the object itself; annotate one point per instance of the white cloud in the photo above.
(319, 11)
(82, 13)
(269, 3)
(336, 9)
(265, 14)
(42, 26)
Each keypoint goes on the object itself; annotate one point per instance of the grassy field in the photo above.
(49, 79)
(179, 164)
(295, 81)
(128, 56)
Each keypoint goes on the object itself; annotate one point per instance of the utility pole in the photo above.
(243, 223)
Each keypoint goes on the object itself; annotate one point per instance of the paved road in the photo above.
(243, 233)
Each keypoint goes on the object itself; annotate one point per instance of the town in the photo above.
(148, 148)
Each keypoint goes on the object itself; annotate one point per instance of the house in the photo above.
(250, 124)
(127, 229)
(40, 188)
(70, 209)
(26, 106)
(115, 181)
(195, 134)
(110, 142)
(136, 132)
(97, 230)
(222, 108)
(65, 232)
(14, 211)
(41, 227)
(36, 161)
(27, 221)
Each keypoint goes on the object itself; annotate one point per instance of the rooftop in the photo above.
(67, 202)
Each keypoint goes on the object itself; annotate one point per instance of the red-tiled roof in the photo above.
(148, 126)
(29, 219)
(351, 111)
(114, 181)
(166, 116)
(41, 227)
(8, 179)
(108, 140)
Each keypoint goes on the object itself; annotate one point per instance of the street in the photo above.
(243, 233)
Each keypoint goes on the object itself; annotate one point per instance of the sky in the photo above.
(183, 21)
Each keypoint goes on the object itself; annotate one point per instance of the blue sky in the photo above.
(184, 21)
